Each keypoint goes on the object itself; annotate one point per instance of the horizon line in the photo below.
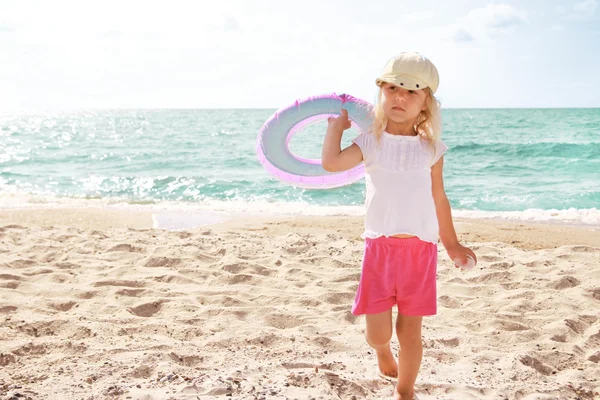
(28, 111)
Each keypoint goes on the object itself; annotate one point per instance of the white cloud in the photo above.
(558, 27)
(461, 35)
(490, 21)
(497, 16)
(583, 10)
(197, 53)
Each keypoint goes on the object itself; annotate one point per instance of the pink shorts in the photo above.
(399, 271)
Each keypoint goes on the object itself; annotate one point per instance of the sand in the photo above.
(96, 304)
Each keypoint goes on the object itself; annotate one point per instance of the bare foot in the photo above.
(404, 395)
(387, 362)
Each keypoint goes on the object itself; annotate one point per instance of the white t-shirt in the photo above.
(399, 197)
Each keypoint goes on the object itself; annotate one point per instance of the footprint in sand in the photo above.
(580, 324)
(313, 260)
(298, 365)
(512, 285)
(143, 372)
(297, 250)
(146, 310)
(13, 227)
(564, 283)
(501, 265)
(260, 270)
(22, 263)
(86, 295)
(66, 265)
(344, 388)
(452, 342)
(593, 341)
(309, 302)
(6, 359)
(40, 271)
(9, 284)
(595, 293)
(234, 268)
(8, 309)
(536, 364)
(325, 341)
(9, 277)
(223, 300)
(339, 298)
(64, 238)
(38, 329)
(155, 262)
(559, 338)
(489, 258)
(348, 316)
(31, 349)
(205, 258)
(581, 249)
(173, 279)
(240, 278)
(457, 280)
(510, 326)
(63, 306)
(492, 277)
(282, 321)
(81, 333)
(127, 248)
(449, 302)
(130, 292)
(340, 264)
(186, 361)
(354, 277)
(98, 235)
(240, 315)
(268, 340)
(116, 282)
(219, 253)
(60, 278)
(49, 257)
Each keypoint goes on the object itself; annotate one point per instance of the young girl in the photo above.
(406, 211)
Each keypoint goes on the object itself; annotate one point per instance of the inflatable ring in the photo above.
(272, 145)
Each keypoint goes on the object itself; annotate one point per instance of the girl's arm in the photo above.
(333, 158)
(444, 215)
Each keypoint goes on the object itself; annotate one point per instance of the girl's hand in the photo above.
(342, 122)
(460, 252)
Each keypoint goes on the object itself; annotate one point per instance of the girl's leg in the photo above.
(408, 329)
(379, 334)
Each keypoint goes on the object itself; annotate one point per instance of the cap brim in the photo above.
(405, 82)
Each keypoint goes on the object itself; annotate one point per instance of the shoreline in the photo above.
(526, 235)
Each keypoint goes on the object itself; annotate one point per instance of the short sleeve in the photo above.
(439, 150)
(364, 142)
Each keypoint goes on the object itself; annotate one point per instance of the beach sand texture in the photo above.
(95, 304)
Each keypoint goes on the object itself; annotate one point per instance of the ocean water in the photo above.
(524, 164)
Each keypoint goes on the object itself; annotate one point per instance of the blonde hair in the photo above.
(428, 124)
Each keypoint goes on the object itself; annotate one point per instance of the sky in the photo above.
(266, 54)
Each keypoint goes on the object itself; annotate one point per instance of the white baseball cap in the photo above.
(410, 71)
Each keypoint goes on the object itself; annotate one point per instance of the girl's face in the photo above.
(401, 105)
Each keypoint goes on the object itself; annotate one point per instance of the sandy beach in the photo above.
(97, 304)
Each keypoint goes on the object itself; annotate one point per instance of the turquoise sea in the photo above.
(528, 164)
